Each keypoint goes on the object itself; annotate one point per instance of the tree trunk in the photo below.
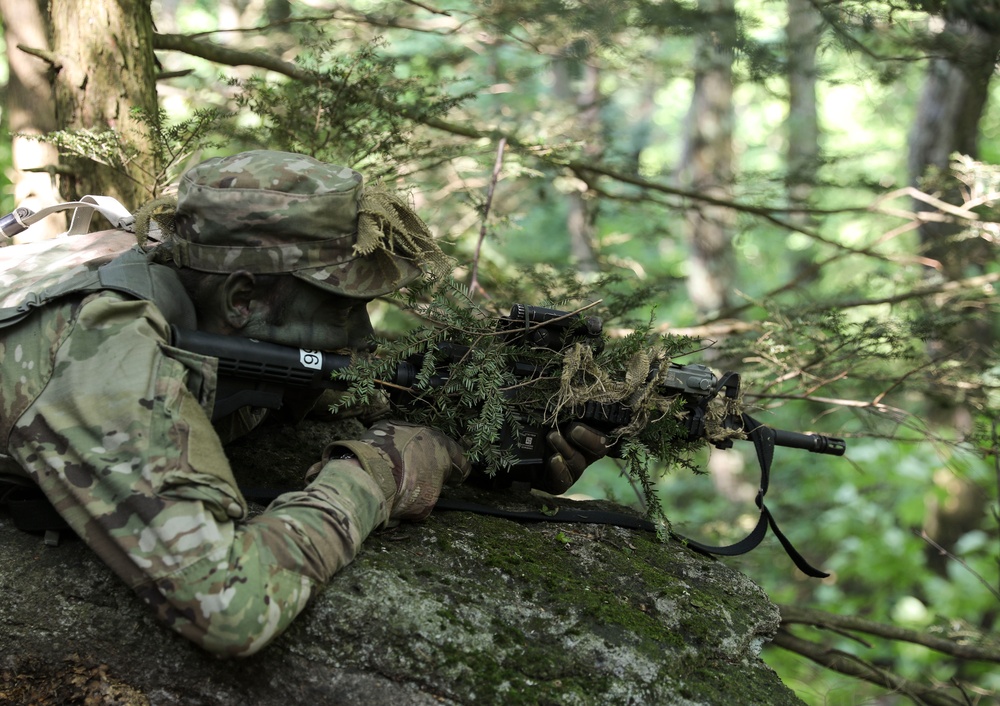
(802, 125)
(106, 68)
(581, 214)
(954, 98)
(30, 111)
(707, 163)
(707, 167)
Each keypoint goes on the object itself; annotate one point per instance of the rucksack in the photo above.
(42, 271)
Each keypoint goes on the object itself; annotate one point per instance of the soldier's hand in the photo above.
(422, 460)
(576, 447)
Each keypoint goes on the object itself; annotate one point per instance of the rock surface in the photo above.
(460, 609)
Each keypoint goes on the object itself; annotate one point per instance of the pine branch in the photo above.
(557, 158)
(227, 56)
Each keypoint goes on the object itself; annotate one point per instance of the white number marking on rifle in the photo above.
(311, 359)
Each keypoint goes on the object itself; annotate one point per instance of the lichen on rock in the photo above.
(459, 609)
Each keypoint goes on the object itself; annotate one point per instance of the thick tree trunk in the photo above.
(955, 94)
(707, 164)
(581, 214)
(30, 111)
(106, 68)
(707, 167)
(954, 97)
(802, 126)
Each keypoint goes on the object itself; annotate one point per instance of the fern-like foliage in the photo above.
(352, 109)
(485, 379)
(170, 144)
(346, 108)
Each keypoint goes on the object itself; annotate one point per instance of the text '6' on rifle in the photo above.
(258, 374)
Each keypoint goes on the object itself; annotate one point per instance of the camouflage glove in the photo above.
(575, 449)
(410, 463)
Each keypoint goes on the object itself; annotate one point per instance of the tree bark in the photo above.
(802, 125)
(107, 68)
(30, 112)
(707, 168)
(581, 215)
(707, 162)
(954, 97)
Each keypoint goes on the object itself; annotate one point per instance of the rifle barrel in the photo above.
(817, 443)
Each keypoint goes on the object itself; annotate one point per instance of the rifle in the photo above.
(258, 374)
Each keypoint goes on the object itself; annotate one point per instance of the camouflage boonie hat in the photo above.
(281, 213)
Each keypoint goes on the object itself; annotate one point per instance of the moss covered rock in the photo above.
(460, 609)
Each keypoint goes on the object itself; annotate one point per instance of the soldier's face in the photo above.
(299, 315)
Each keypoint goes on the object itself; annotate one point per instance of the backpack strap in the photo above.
(84, 282)
(83, 212)
(130, 273)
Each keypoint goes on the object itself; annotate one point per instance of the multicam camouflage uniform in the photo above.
(113, 423)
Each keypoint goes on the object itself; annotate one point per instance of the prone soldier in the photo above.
(113, 422)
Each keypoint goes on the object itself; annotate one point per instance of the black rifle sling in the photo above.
(763, 438)
(559, 514)
(763, 441)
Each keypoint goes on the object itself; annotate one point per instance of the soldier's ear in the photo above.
(235, 299)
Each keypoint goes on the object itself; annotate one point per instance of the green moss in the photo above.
(461, 609)
(483, 610)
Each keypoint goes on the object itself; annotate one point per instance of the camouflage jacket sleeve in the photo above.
(119, 441)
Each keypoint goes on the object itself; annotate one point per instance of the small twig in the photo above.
(961, 688)
(996, 466)
(981, 282)
(527, 383)
(528, 328)
(497, 164)
(393, 385)
(166, 75)
(51, 170)
(899, 381)
(49, 57)
(845, 663)
(636, 488)
(835, 401)
(917, 195)
(944, 552)
(945, 645)
(428, 8)
(824, 382)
